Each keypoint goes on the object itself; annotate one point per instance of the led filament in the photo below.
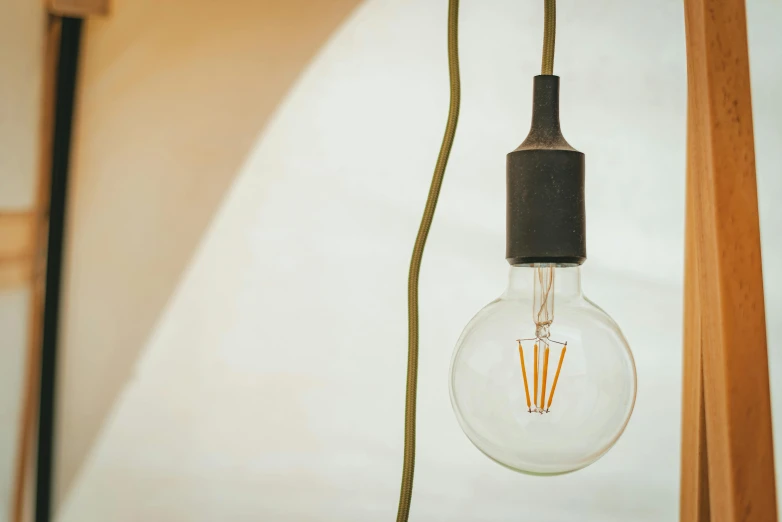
(539, 406)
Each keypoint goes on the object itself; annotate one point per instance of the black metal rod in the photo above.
(67, 67)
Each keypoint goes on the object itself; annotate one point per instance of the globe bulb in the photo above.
(542, 380)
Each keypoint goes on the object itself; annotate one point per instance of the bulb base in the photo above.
(546, 218)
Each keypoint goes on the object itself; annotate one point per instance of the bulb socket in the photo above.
(546, 218)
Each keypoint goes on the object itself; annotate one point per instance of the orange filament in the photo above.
(536, 374)
(556, 377)
(545, 373)
(524, 374)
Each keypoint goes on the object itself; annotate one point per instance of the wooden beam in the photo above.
(694, 488)
(16, 248)
(724, 234)
(79, 8)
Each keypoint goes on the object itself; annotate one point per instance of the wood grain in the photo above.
(79, 8)
(694, 487)
(725, 233)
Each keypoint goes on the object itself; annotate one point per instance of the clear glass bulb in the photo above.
(542, 380)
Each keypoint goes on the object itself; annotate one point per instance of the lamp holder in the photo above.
(546, 221)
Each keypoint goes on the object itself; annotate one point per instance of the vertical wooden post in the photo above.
(727, 419)
(694, 505)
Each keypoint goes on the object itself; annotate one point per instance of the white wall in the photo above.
(273, 386)
(21, 61)
(14, 306)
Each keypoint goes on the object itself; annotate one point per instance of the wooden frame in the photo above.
(16, 247)
(727, 448)
(78, 8)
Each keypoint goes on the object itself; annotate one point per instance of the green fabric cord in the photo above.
(408, 470)
(549, 36)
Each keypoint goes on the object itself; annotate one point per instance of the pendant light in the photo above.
(542, 381)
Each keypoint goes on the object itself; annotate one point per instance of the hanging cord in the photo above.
(549, 36)
(408, 470)
(549, 33)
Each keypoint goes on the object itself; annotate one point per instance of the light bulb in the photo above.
(542, 380)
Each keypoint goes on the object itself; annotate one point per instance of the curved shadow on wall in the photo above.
(173, 96)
